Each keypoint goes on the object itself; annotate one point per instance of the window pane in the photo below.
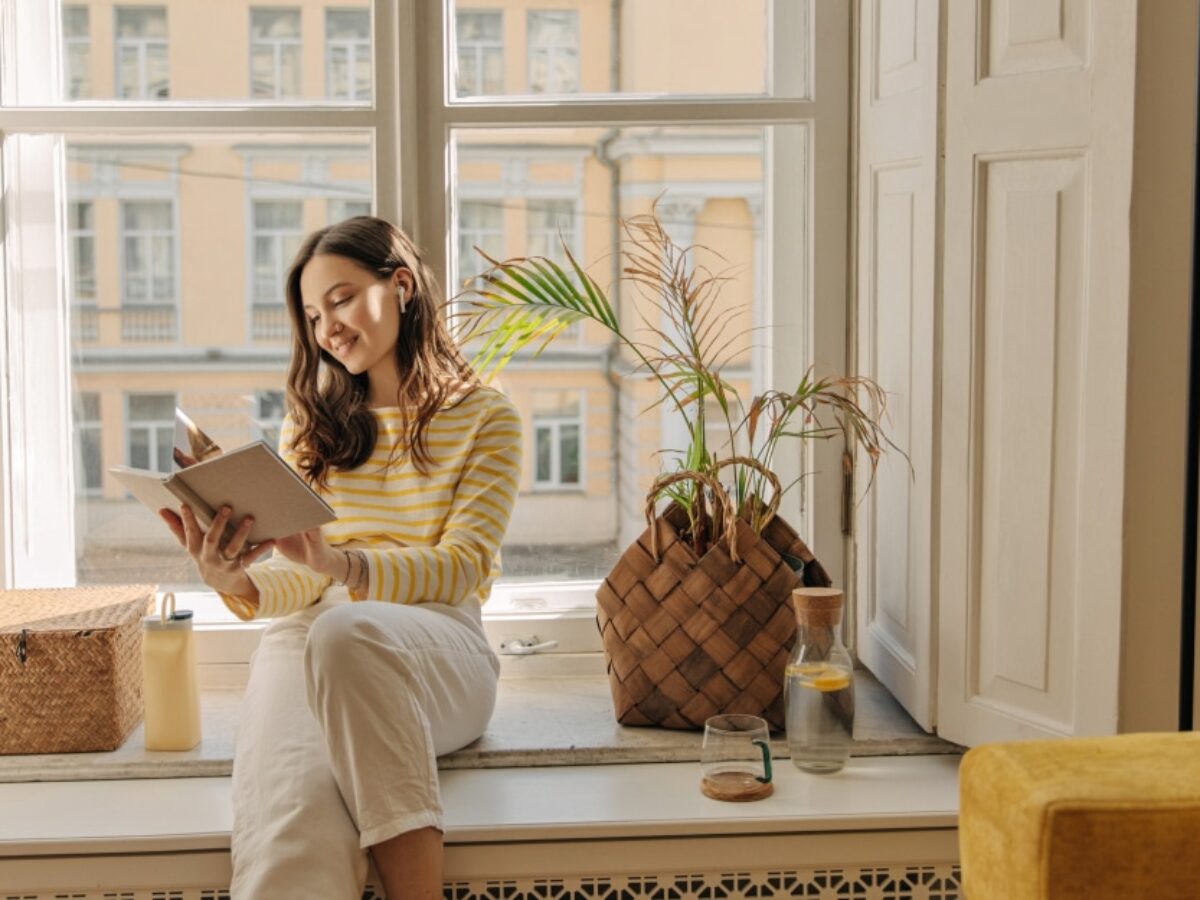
(354, 24)
(545, 438)
(601, 426)
(569, 454)
(274, 23)
(188, 236)
(196, 51)
(658, 47)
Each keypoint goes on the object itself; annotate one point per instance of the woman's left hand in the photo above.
(311, 549)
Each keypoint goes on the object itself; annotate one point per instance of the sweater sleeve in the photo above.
(465, 560)
(283, 586)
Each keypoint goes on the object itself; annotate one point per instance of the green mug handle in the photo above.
(766, 752)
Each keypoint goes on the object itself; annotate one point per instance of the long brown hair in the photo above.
(334, 428)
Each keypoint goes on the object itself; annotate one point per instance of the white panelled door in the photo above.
(1038, 160)
(897, 196)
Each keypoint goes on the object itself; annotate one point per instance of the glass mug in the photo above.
(736, 758)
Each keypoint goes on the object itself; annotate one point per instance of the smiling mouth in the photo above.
(344, 347)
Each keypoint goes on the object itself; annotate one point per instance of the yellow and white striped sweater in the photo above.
(426, 538)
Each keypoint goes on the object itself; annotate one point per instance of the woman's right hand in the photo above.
(221, 568)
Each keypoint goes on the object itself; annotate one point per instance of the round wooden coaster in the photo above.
(738, 789)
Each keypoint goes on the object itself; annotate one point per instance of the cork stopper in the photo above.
(819, 606)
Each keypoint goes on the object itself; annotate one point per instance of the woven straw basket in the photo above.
(686, 638)
(71, 667)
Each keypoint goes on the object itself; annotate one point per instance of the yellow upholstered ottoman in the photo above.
(1087, 818)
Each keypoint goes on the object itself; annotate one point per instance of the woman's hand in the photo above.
(311, 549)
(221, 568)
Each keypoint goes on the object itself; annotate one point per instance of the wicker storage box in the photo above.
(71, 667)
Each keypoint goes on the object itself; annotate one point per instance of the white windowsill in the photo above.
(500, 805)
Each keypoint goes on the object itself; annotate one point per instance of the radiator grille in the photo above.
(940, 882)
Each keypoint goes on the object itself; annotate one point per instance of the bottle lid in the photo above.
(169, 616)
(817, 605)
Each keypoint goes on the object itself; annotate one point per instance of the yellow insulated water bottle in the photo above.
(172, 695)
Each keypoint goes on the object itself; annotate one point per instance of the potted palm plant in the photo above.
(695, 615)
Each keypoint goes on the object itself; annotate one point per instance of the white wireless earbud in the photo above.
(403, 302)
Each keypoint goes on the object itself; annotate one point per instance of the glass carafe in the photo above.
(819, 685)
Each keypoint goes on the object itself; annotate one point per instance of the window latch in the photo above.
(524, 646)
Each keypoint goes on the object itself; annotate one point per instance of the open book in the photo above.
(253, 480)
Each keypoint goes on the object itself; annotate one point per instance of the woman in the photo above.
(348, 704)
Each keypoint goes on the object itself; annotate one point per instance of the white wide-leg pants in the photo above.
(346, 708)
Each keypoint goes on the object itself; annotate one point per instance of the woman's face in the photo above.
(354, 316)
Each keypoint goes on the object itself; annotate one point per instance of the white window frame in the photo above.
(352, 47)
(35, 438)
(141, 45)
(277, 46)
(551, 52)
(477, 48)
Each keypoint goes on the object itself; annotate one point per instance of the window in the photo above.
(141, 63)
(553, 37)
(150, 430)
(275, 53)
(205, 200)
(550, 224)
(480, 224)
(269, 408)
(89, 466)
(348, 54)
(148, 288)
(278, 230)
(480, 37)
(340, 210)
(77, 77)
(557, 426)
(85, 316)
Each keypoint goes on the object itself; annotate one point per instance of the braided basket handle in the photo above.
(704, 481)
(772, 479)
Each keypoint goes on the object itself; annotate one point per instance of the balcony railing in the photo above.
(85, 323)
(269, 322)
(149, 323)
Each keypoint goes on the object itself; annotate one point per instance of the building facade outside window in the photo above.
(480, 37)
(553, 41)
(275, 52)
(77, 55)
(150, 430)
(141, 65)
(278, 231)
(148, 276)
(89, 470)
(348, 54)
(557, 439)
